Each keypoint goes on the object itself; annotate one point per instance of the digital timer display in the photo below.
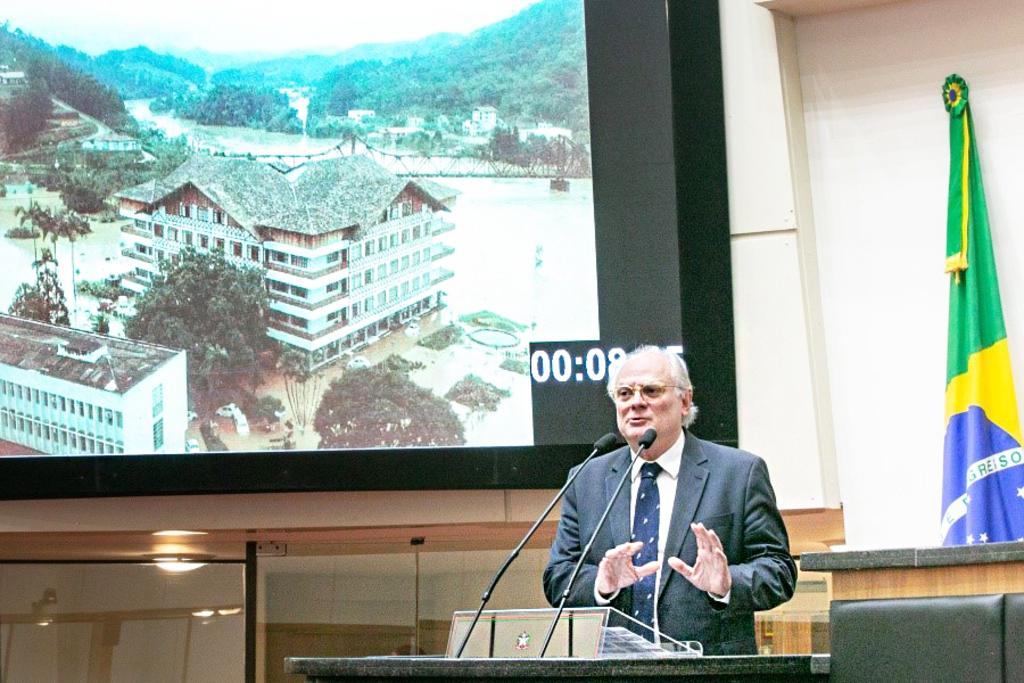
(566, 362)
(569, 397)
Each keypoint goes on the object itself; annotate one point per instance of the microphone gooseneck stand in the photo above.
(601, 446)
(645, 442)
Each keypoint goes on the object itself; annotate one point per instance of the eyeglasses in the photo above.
(649, 392)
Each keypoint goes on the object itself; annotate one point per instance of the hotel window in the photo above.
(204, 241)
(333, 286)
(405, 262)
(368, 247)
(357, 251)
(382, 271)
(355, 310)
(254, 253)
(158, 434)
(405, 289)
(184, 210)
(299, 292)
(393, 294)
(368, 304)
(394, 239)
(278, 286)
(416, 233)
(426, 254)
(382, 299)
(236, 248)
(218, 217)
(394, 266)
(300, 261)
(357, 281)
(119, 419)
(382, 243)
(368, 276)
(186, 237)
(218, 244)
(158, 230)
(416, 259)
(172, 234)
(334, 257)
(158, 399)
(405, 236)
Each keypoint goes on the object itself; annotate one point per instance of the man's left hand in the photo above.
(710, 571)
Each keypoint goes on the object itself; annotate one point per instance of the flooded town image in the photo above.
(349, 249)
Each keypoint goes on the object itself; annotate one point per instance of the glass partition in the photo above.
(121, 623)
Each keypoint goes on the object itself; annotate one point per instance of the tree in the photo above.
(212, 308)
(301, 386)
(44, 301)
(35, 217)
(71, 226)
(381, 406)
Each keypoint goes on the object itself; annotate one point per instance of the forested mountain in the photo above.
(307, 69)
(530, 67)
(140, 72)
(45, 68)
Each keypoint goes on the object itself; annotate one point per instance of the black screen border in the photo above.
(680, 49)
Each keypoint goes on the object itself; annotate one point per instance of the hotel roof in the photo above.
(314, 198)
(84, 358)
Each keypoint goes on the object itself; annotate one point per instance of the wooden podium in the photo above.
(983, 569)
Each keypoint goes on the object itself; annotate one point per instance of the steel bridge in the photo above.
(559, 158)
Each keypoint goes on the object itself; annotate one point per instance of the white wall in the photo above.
(877, 140)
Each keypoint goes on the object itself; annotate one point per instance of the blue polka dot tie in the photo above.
(646, 515)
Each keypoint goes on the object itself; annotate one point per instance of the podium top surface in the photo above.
(986, 553)
(795, 668)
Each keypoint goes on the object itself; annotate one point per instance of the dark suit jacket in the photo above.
(726, 489)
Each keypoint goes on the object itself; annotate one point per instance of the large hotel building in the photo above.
(69, 392)
(349, 249)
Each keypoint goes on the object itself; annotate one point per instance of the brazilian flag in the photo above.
(983, 474)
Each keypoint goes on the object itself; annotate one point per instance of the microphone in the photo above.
(643, 444)
(603, 445)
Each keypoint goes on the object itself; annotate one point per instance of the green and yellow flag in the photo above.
(983, 474)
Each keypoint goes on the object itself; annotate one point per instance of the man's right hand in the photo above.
(616, 570)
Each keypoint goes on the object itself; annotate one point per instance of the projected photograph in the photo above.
(222, 230)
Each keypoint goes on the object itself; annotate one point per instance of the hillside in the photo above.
(530, 67)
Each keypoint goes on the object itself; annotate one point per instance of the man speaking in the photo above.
(698, 546)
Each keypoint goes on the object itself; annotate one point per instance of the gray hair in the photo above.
(677, 368)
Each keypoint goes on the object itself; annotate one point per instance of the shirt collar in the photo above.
(670, 460)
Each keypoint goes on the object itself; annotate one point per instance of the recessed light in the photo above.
(176, 565)
(203, 613)
(229, 611)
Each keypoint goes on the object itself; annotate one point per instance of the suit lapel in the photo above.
(693, 477)
(619, 518)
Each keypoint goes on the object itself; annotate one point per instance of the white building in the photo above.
(69, 392)
(112, 142)
(349, 249)
(483, 121)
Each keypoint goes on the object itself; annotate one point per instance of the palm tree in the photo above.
(37, 218)
(301, 385)
(71, 226)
